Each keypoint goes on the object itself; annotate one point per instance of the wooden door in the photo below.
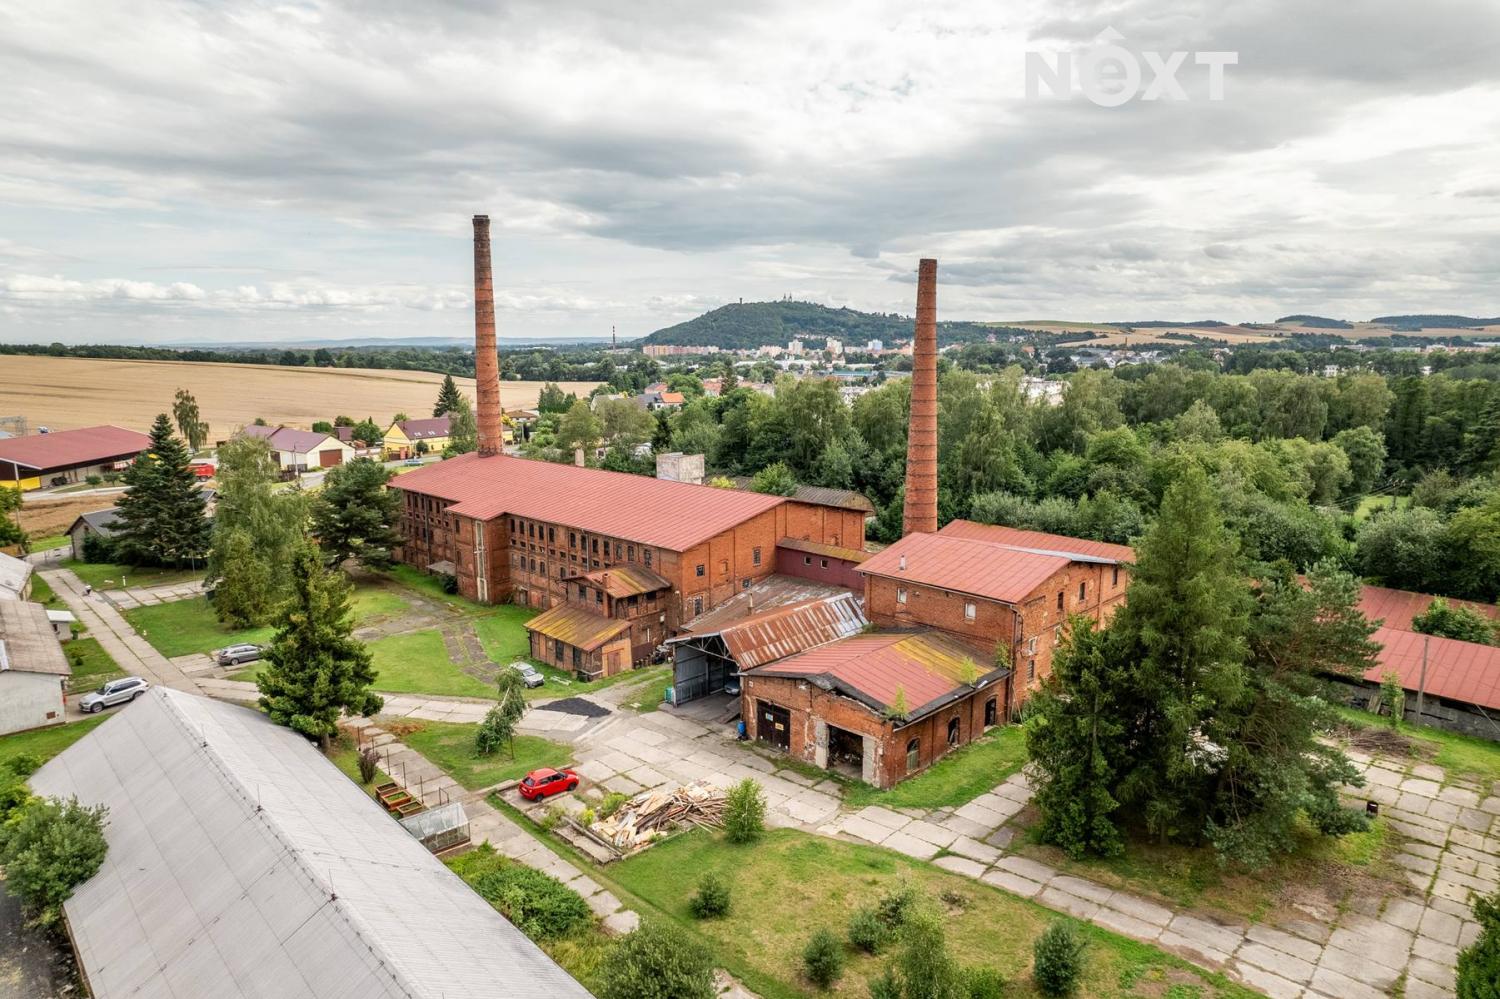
(773, 724)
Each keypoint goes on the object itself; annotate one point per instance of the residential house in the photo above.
(409, 438)
(302, 450)
(15, 578)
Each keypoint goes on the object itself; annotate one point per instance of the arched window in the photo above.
(952, 731)
(911, 756)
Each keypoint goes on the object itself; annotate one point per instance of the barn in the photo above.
(67, 456)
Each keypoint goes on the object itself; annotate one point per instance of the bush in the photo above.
(449, 583)
(23, 765)
(49, 847)
(542, 907)
(555, 817)
(897, 904)
(823, 959)
(1479, 963)
(97, 549)
(925, 967)
(586, 817)
(94, 480)
(369, 764)
(867, 931)
(712, 899)
(885, 986)
(611, 803)
(12, 797)
(656, 960)
(744, 812)
(1057, 959)
(984, 983)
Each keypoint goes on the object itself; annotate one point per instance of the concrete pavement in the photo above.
(129, 650)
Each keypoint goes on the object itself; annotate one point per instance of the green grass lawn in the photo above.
(97, 666)
(451, 746)
(110, 576)
(183, 627)
(417, 663)
(502, 632)
(42, 593)
(431, 586)
(48, 543)
(373, 605)
(44, 742)
(790, 884)
(956, 779)
(1370, 504)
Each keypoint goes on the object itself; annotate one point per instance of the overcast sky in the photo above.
(174, 171)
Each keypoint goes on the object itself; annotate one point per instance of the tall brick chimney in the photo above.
(921, 511)
(486, 360)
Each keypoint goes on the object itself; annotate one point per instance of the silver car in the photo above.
(235, 655)
(529, 675)
(112, 693)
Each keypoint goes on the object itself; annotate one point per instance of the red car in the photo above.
(546, 782)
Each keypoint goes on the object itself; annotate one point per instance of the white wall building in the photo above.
(303, 450)
(33, 669)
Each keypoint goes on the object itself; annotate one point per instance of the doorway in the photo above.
(773, 724)
(846, 752)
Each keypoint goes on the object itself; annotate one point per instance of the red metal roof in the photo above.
(1396, 608)
(671, 515)
(67, 448)
(925, 666)
(965, 565)
(1038, 541)
(786, 631)
(1456, 671)
(573, 625)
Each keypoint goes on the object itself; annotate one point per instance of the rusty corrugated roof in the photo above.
(927, 667)
(1466, 672)
(573, 625)
(786, 631)
(965, 565)
(1039, 541)
(1396, 608)
(625, 580)
(671, 515)
(774, 591)
(828, 551)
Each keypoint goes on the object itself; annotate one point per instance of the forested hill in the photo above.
(1433, 322)
(760, 324)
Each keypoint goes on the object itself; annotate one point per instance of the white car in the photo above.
(112, 693)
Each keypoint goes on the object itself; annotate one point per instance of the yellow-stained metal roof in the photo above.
(573, 625)
(626, 580)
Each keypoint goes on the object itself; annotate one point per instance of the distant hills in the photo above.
(1433, 322)
(1317, 322)
(747, 325)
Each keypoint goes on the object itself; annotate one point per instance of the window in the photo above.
(531, 530)
(1030, 670)
(619, 551)
(952, 731)
(572, 539)
(969, 611)
(512, 525)
(557, 651)
(562, 572)
(646, 556)
(1059, 599)
(583, 593)
(699, 571)
(577, 658)
(745, 583)
(630, 553)
(1083, 589)
(596, 546)
(551, 535)
(901, 595)
(807, 560)
(991, 713)
(1057, 635)
(598, 596)
(755, 556)
(697, 606)
(1031, 645)
(823, 563)
(1114, 577)
(911, 755)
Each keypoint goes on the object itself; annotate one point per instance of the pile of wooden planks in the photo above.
(652, 814)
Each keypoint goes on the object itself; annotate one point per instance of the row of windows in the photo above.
(622, 552)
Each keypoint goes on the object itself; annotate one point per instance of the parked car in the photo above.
(529, 674)
(412, 461)
(235, 655)
(112, 693)
(544, 783)
(732, 686)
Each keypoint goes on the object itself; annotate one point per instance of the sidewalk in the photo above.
(129, 650)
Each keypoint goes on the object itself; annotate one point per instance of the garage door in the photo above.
(327, 459)
(773, 724)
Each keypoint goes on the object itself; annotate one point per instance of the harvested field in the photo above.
(47, 517)
(66, 392)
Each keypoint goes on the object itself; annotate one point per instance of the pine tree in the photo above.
(1479, 963)
(447, 400)
(315, 668)
(161, 514)
(354, 516)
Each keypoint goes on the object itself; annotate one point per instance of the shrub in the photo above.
(1479, 963)
(867, 931)
(885, 986)
(12, 797)
(369, 763)
(656, 960)
(586, 817)
(926, 969)
(49, 847)
(984, 983)
(94, 480)
(611, 803)
(897, 904)
(744, 812)
(449, 583)
(24, 764)
(712, 899)
(823, 959)
(97, 549)
(1057, 959)
(555, 817)
(541, 906)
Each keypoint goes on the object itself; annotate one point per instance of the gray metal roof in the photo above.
(243, 864)
(14, 572)
(27, 642)
(103, 521)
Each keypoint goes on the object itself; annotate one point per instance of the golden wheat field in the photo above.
(61, 393)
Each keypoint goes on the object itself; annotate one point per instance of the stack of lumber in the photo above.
(655, 813)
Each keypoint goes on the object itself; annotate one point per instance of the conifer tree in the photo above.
(315, 667)
(447, 400)
(161, 514)
(354, 516)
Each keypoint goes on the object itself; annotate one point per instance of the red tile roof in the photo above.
(671, 515)
(1396, 608)
(573, 625)
(1456, 671)
(786, 631)
(965, 565)
(925, 666)
(1039, 541)
(67, 448)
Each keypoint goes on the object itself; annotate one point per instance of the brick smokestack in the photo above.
(921, 511)
(486, 360)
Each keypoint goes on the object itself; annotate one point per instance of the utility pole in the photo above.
(1422, 682)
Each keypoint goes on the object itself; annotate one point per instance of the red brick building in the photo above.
(645, 551)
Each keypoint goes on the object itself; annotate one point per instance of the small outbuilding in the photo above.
(33, 669)
(94, 524)
(15, 578)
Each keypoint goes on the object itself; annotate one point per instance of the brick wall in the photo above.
(824, 524)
